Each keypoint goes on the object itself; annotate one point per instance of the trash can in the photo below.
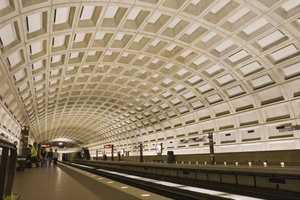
(171, 157)
(21, 163)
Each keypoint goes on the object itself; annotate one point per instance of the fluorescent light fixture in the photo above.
(235, 90)
(200, 60)
(141, 57)
(197, 104)
(155, 76)
(155, 42)
(99, 36)
(224, 45)
(74, 55)
(38, 78)
(213, 69)
(87, 12)
(90, 53)
(255, 26)
(119, 36)
(289, 5)
(14, 58)
(109, 53)
(166, 94)
(167, 81)
(155, 88)
(171, 47)
(23, 86)
(36, 47)
(37, 65)
(79, 37)
(225, 79)
(4, 4)
(269, 39)
(155, 60)
(133, 14)
(19, 74)
(111, 12)
(208, 36)
(247, 69)
(164, 106)
(7, 34)
(174, 22)
(182, 72)
(58, 41)
(34, 22)
(179, 87)
(238, 15)
(205, 88)
(54, 71)
(195, 2)
(214, 98)
(169, 66)
(62, 15)
(219, 5)
(292, 70)
(125, 54)
(186, 53)
(192, 29)
(138, 38)
(56, 58)
(154, 17)
(284, 52)
(189, 95)
(266, 79)
(70, 68)
(238, 56)
(194, 79)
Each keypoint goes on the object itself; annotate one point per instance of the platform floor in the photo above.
(65, 183)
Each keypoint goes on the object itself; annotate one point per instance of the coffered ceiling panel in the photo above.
(89, 70)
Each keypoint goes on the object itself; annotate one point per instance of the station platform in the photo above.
(63, 182)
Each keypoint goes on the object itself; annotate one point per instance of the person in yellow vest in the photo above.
(33, 154)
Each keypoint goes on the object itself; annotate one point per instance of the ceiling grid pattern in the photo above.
(93, 70)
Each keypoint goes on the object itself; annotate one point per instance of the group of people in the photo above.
(36, 159)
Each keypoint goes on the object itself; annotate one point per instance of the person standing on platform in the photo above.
(28, 158)
(44, 160)
(33, 154)
(50, 157)
(55, 157)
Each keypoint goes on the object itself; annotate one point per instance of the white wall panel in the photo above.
(281, 145)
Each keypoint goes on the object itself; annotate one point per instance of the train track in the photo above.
(184, 189)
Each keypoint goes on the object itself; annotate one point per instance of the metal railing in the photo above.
(8, 159)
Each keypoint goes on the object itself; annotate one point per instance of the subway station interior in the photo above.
(150, 99)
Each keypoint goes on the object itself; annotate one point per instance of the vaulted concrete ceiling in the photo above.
(102, 71)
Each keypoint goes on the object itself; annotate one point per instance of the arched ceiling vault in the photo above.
(94, 70)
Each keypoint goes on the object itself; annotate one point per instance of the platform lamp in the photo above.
(211, 148)
(141, 153)
(112, 152)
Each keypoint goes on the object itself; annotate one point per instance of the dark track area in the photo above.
(166, 191)
(176, 193)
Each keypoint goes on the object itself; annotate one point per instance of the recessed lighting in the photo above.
(145, 195)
